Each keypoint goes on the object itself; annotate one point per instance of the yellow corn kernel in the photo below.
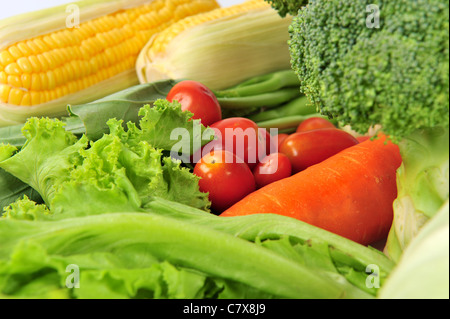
(59, 77)
(32, 46)
(14, 81)
(15, 52)
(23, 47)
(45, 96)
(4, 92)
(3, 77)
(12, 69)
(50, 58)
(25, 65)
(15, 96)
(26, 99)
(35, 82)
(43, 62)
(26, 81)
(41, 46)
(35, 63)
(6, 58)
(35, 98)
(51, 80)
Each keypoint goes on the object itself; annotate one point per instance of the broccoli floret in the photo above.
(285, 7)
(395, 75)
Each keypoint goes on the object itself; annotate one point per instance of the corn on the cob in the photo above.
(44, 65)
(219, 48)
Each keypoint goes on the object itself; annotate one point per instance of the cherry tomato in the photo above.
(314, 123)
(242, 137)
(214, 145)
(280, 139)
(198, 99)
(225, 179)
(272, 168)
(308, 148)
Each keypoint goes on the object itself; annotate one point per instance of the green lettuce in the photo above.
(422, 271)
(181, 255)
(89, 119)
(423, 186)
(121, 171)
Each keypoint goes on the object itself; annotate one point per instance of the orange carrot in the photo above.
(350, 194)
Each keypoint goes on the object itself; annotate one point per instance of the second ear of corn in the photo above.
(219, 48)
(46, 65)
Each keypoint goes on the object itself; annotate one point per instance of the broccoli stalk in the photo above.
(394, 73)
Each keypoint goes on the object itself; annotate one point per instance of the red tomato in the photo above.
(225, 179)
(314, 123)
(272, 168)
(280, 138)
(243, 138)
(198, 99)
(305, 149)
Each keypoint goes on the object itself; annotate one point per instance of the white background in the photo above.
(13, 7)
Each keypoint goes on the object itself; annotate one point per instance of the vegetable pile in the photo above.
(328, 179)
(135, 223)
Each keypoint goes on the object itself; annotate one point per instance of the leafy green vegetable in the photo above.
(90, 119)
(119, 172)
(124, 105)
(12, 135)
(12, 188)
(259, 256)
(271, 226)
(160, 125)
(422, 272)
(46, 158)
(423, 186)
(33, 273)
(26, 209)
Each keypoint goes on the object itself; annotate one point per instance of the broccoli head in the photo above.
(394, 73)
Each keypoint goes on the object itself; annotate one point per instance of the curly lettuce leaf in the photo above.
(26, 209)
(165, 126)
(122, 171)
